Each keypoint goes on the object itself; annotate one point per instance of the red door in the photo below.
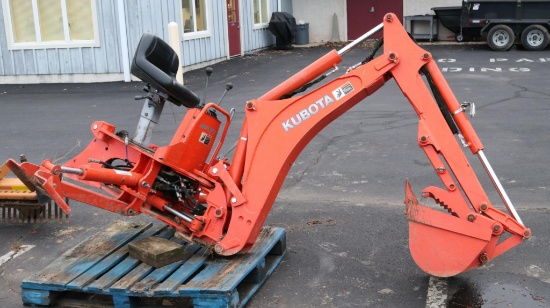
(234, 27)
(364, 15)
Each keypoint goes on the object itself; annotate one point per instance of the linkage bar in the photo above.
(498, 186)
(363, 37)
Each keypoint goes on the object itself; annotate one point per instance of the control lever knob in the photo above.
(228, 87)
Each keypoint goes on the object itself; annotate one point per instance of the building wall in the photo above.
(253, 39)
(212, 48)
(286, 6)
(104, 63)
(153, 16)
(319, 14)
(59, 61)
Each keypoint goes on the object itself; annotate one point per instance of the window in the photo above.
(261, 12)
(50, 23)
(195, 18)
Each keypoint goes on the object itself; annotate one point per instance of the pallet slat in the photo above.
(104, 282)
(109, 262)
(182, 274)
(210, 281)
(160, 274)
(84, 256)
(231, 271)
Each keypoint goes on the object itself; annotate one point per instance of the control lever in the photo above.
(228, 87)
(208, 72)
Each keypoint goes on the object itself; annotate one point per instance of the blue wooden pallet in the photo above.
(101, 265)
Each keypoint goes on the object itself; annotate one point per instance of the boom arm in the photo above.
(224, 205)
(298, 120)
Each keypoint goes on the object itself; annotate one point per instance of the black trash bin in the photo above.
(302, 34)
(283, 26)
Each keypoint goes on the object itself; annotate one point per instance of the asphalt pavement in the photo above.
(342, 202)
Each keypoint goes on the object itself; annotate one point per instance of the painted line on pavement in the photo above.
(15, 253)
(437, 293)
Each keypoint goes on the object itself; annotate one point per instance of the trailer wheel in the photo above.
(534, 37)
(501, 38)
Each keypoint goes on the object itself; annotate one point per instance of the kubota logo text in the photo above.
(307, 113)
(314, 108)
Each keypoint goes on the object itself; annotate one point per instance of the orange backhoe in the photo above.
(223, 203)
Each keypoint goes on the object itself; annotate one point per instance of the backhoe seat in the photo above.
(156, 63)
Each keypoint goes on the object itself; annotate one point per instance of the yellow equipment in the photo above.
(18, 204)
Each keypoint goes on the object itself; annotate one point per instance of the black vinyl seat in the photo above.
(156, 63)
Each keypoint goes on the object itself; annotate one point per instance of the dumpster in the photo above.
(449, 17)
(302, 34)
(283, 26)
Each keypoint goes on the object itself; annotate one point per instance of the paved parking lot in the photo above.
(342, 203)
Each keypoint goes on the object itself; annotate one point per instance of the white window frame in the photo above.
(264, 24)
(57, 44)
(197, 34)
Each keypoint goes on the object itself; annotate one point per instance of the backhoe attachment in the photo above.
(222, 203)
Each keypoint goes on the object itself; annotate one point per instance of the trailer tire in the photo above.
(534, 37)
(501, 38)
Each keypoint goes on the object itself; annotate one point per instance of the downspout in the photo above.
(279, 5)
(123, 40)
(226, 30)
(241, 31)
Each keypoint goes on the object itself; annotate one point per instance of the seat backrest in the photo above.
(156, 63)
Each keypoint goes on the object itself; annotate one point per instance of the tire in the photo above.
(534, 37)
(501, 38)
(459, 38)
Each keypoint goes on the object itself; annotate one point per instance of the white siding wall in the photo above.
(153, 16)
(254, 38)
(212, 48)
(58, 61)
